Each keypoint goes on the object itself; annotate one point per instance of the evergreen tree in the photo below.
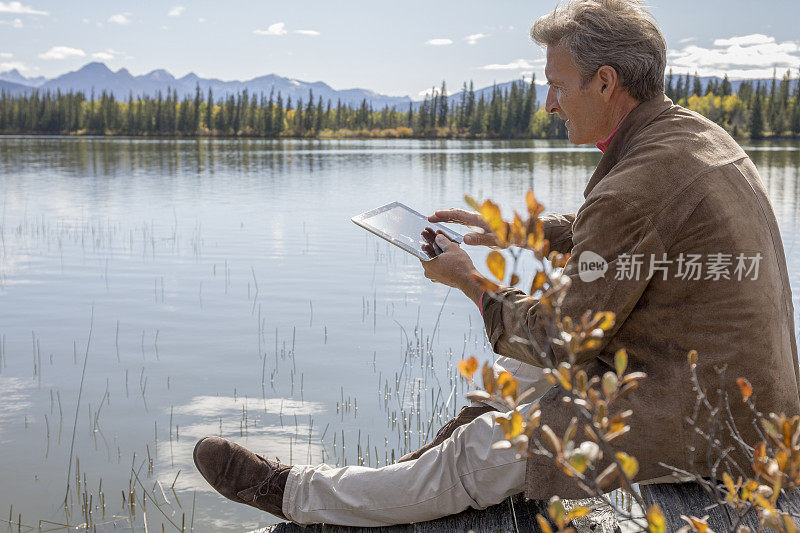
(669, 90)
(697, 88)
(725, 88)
(756, 123)
(678, 89)
(279, 125)
(443, 107)
(210, 110)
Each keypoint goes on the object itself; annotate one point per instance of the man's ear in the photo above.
(608, 80)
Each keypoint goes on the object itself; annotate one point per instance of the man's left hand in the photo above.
(453, 267)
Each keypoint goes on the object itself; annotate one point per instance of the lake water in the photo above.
(218, 287)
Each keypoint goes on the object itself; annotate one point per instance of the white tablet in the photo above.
(402, 226)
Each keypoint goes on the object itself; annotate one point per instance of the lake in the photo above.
(158, 291)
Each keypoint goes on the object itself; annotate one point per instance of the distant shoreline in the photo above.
(346, 137)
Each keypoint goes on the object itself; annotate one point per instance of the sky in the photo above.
(394, 48)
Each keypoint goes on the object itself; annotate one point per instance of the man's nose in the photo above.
(551, 102)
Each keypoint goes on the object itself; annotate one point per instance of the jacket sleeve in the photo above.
(613, 230)
(558, 230)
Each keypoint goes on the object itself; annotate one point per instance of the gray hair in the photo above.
(619, 33)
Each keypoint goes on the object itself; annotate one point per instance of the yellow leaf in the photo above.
(745, 388)
(692, 357)
(590, 344)
(655, 520)
(538, 281)
(517, 230)
(467, 367)
(728, 481)
(578, 461)
(511, 424)
(629, 464)
(564, 375)
(497, 264)
(604, 320)
(490, 212)
(488, 378)
(514, 280)
(561, 260)
(578, 512)
(699, 524)
(507, 384)
(544, 524)
(485, 284)
(620, 362)
(533, 206)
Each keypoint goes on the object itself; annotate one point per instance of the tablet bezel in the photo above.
(361, 220)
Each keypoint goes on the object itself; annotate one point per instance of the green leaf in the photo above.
(620, 362)
(472, 203)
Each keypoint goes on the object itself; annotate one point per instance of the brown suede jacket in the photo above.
(680, 216)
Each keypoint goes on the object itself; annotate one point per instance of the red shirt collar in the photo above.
(602, 145)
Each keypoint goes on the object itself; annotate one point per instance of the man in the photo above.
(672, 192)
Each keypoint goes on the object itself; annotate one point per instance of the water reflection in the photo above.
(231, 295)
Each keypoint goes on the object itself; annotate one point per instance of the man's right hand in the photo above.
(468, 218)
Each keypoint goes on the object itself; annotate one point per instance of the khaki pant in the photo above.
(462, 472)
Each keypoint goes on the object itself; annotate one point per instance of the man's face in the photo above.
(582, 107)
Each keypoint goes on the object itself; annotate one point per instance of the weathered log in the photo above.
(512, 515)
(689, 499)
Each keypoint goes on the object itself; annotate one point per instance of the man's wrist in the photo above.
(471, 288)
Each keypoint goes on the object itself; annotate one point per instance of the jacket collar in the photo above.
(642, 115)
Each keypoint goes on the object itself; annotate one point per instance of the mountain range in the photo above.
(97, 77)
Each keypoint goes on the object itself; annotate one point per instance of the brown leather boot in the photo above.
(242, 476)
(467, 414)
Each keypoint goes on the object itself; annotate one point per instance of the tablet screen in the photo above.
(402, 226)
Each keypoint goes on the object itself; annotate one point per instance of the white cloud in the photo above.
(17, 23)
(754, 38)
(279, 28)
(62, 52)
(474, 38)
(11, 65)
(747, 56)
(307, 32)
(6, 55)
(687, 40)
(17, 7)
(176, 11)
(201, 19)
(439, 42)
(120, 18)
(517, 64)
(106, 55)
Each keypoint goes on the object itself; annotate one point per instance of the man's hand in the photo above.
(467, 218)
(453, 267)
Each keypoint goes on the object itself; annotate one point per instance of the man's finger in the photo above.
(480, 239)
(444, 242)
(458, 216)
